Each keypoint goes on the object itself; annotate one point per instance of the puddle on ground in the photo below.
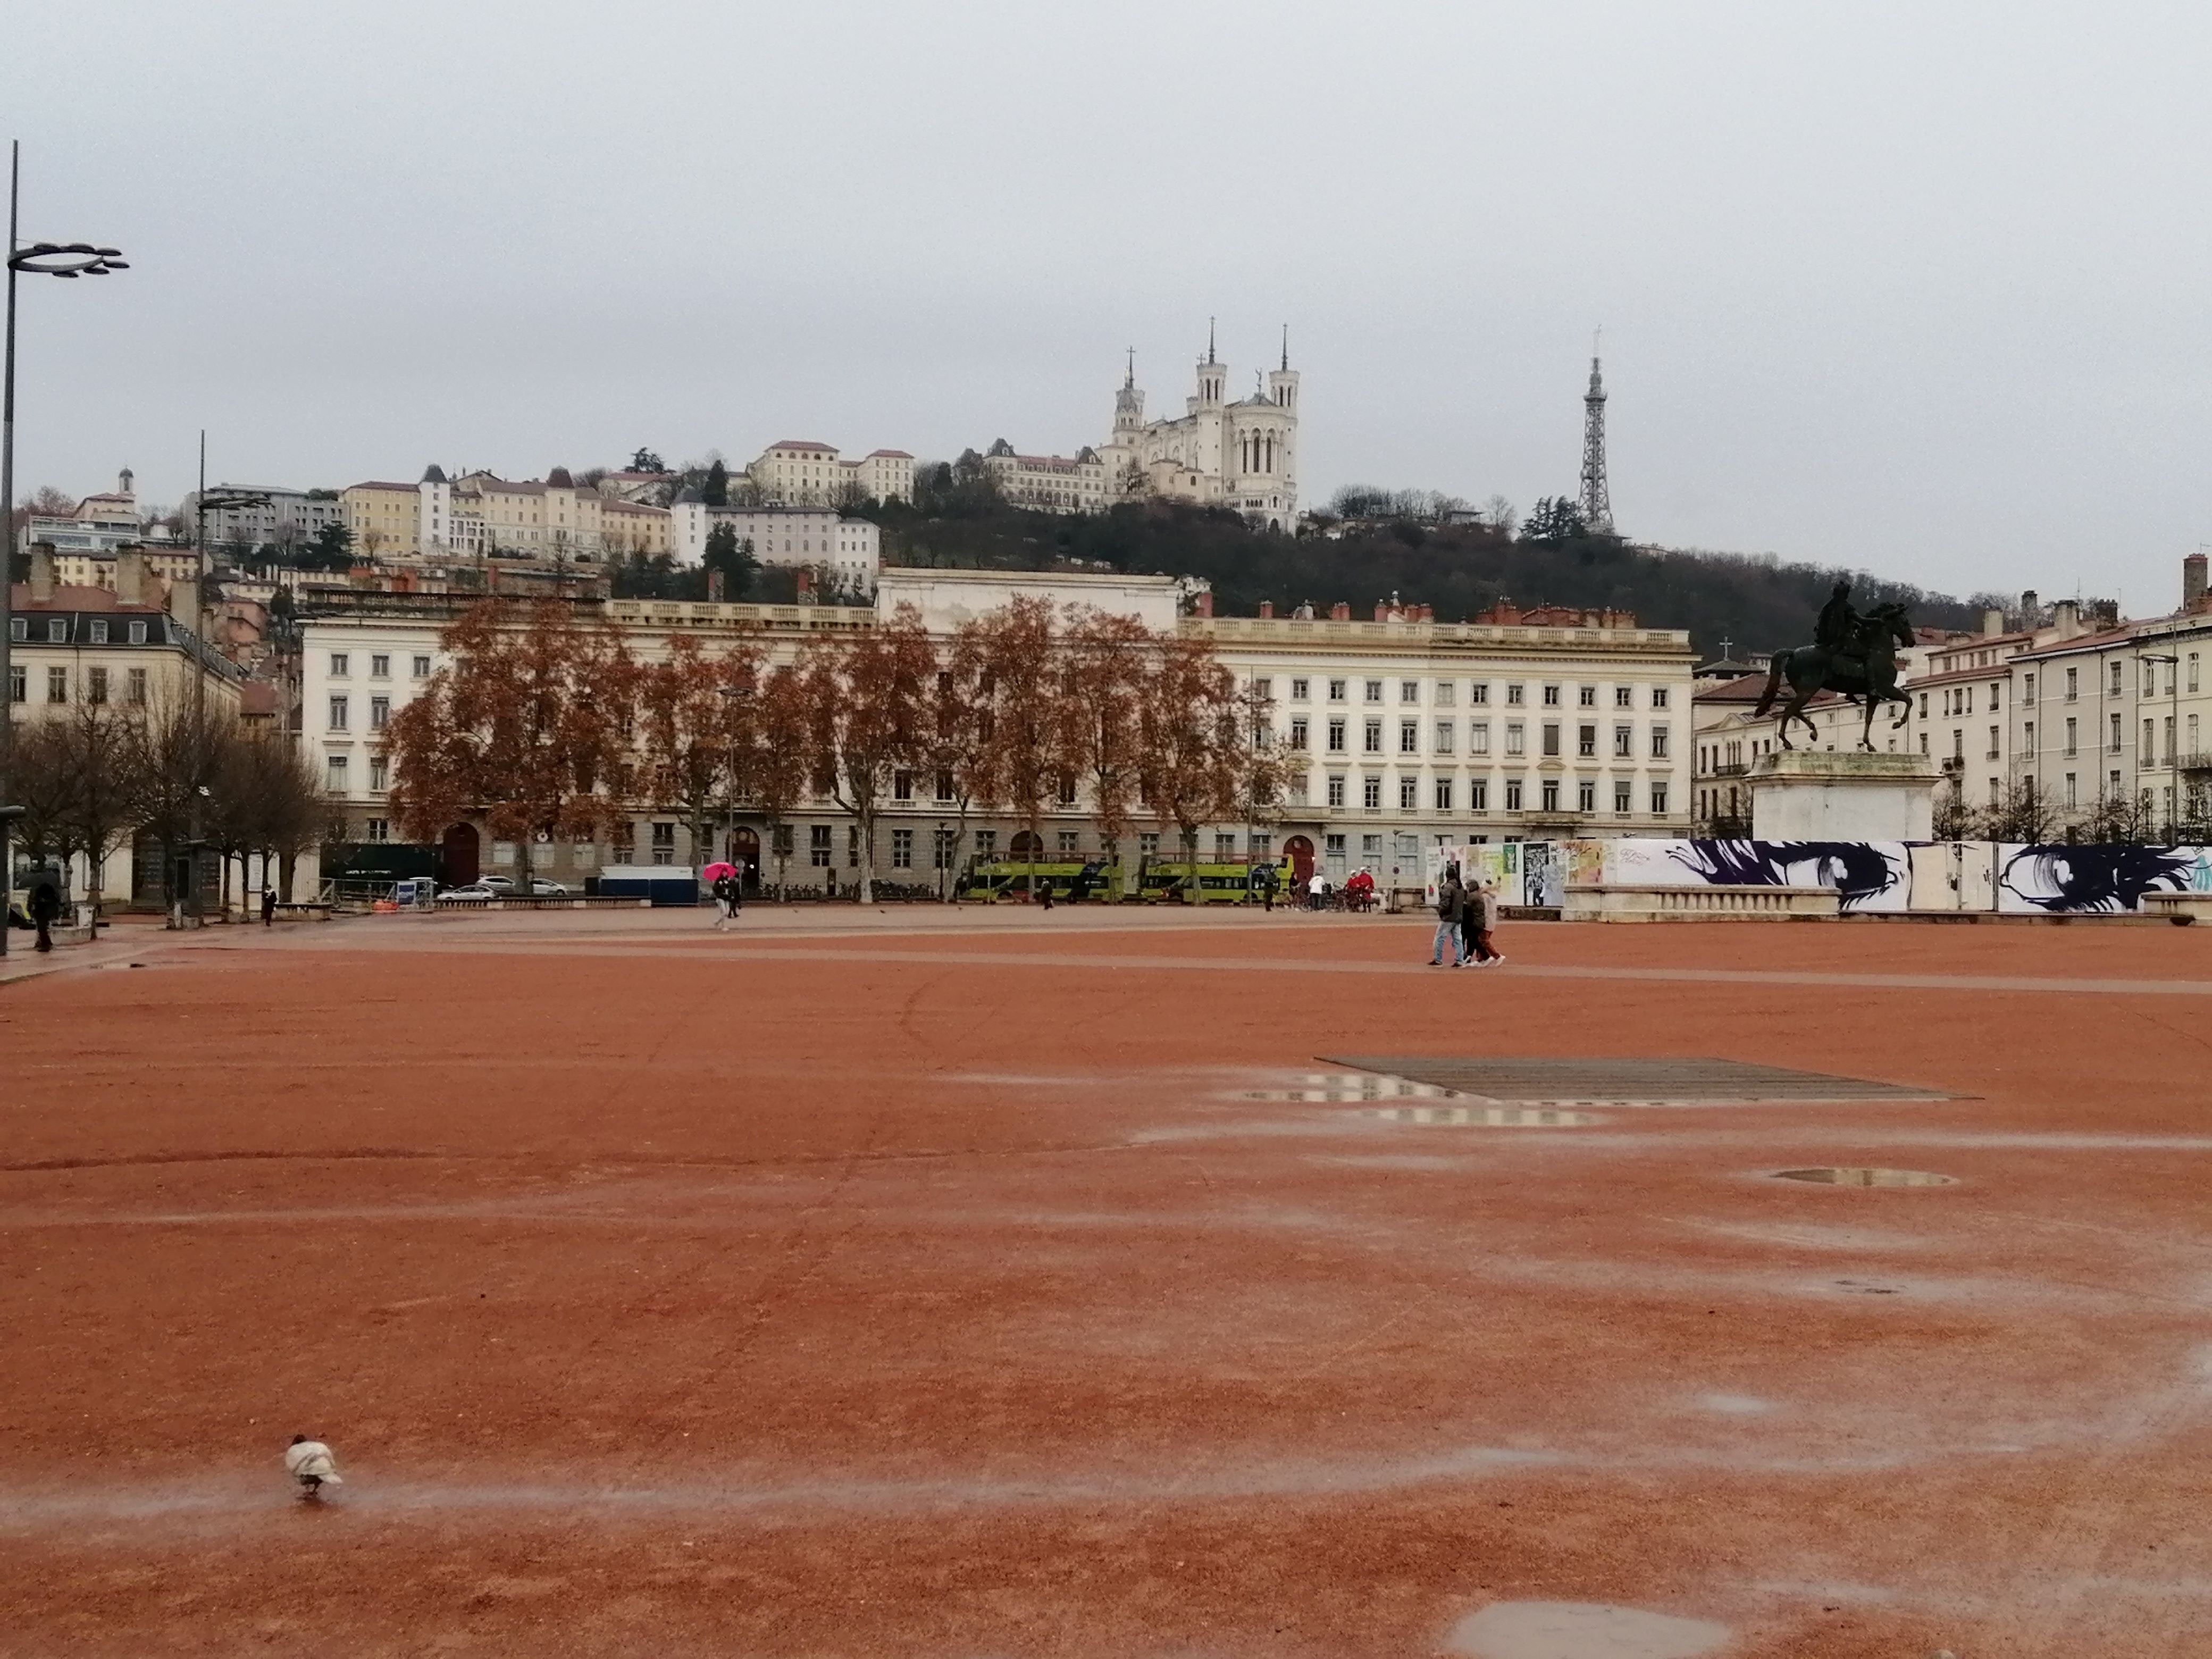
(1861, 1177)
(1581, 1629)
(1338, 1088)
(1484, 1117)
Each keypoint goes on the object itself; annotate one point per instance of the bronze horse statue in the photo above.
(1868, 671)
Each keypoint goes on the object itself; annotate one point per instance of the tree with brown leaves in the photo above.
(1192, 748)
(1103, 665)
(953, 744)
(868, 694)
(1022, 757)
(528, 725)
(775, 765)
(689, 733)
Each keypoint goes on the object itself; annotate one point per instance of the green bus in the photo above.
(1068, 878)
(1225, 881)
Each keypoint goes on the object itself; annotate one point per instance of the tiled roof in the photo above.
(889, 455)
(804, 443)
(72, 596)
(257, 697)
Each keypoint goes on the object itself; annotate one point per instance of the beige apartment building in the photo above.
(800, 472)
(384, 518)
(1400, 732)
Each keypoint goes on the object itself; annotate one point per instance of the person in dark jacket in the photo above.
(45, 905)
(268, 904)
(1451, 905)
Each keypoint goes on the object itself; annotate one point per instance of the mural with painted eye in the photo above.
(2101, 880)
(1865, 871)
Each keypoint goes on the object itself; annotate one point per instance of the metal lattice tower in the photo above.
(1596, 499)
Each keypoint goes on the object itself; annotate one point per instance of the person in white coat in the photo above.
(310, 1463)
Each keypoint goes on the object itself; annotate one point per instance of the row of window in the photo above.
(1445, 794)
(95, 685)
(96, 630)
(379, 666)
(1445, 738)
(379, 713)
(2147, 685)
(1552, 693)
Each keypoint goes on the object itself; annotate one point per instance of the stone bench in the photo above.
(1610, 902)
(2179, 909)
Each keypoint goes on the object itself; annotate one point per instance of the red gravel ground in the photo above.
(909, 1285)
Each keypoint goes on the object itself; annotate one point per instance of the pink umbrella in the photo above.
(716, 872)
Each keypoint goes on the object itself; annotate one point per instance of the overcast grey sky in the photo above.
(1917, 289)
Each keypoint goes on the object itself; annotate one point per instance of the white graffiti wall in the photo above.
(1874, 877)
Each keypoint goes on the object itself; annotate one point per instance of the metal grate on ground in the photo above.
(1547, 1081)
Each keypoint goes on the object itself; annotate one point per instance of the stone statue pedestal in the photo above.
(1803, 795)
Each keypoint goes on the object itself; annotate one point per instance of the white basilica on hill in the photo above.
(1242, 455)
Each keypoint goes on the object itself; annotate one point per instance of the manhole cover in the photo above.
(1485, 1117)
(1615, 1082)
(1850, 1178)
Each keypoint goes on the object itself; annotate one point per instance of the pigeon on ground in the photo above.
(310, 1463)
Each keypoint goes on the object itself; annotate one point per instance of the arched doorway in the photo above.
(1300, 852)
(1027, 844)
(744, 851)
(457, 855)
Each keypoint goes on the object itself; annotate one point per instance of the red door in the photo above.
(1300, 852)
(457, 855)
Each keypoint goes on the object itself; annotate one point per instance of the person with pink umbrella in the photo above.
(728, 889)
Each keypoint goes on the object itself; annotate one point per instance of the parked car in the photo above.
(475, 890)
(540, 888)
(497, 884)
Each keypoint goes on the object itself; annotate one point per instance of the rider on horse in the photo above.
(1838, 629)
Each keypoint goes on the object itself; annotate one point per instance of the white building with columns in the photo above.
(1242, 454)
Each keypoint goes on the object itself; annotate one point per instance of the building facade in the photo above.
(1053, 484)
(287, 518)
(1398, 734)
(1239, 454)
(849, 551)
(801, 472)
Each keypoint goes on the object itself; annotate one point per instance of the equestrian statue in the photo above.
(1851, 653)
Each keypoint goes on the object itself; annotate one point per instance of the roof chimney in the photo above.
(2066, 616)
(2028, 608)
(1340, 612)
(1992, 622)
(130, 574)
(2193, 582)
(184, 604)
(1266, 608)
(42, 572)
(1202, 606)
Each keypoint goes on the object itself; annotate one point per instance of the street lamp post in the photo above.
(65, 259)
(2173, 662)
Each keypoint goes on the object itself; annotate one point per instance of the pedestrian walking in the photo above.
(45, 905)
(1451, 905)
(1316, 891)
(1486, 953)
(1470, 916)
(725, 902)
(268, 905)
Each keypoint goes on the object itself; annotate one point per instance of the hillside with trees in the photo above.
(1422, 547)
